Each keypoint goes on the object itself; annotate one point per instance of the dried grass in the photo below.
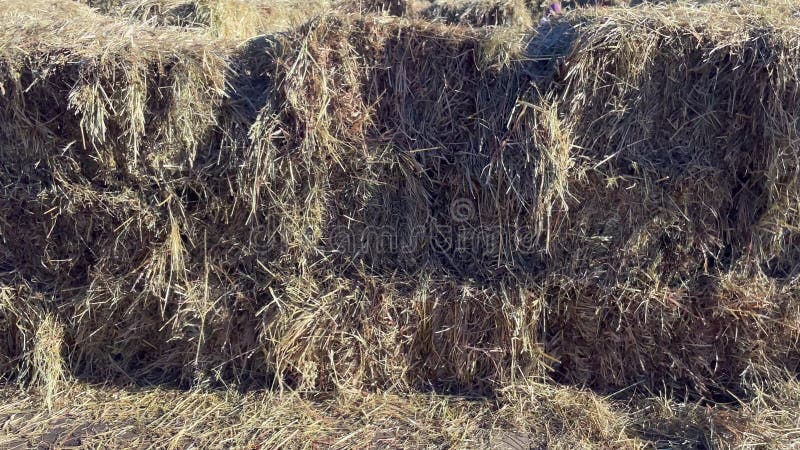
(372, 203)
(94, 416)
(515, 13)
(545, 416)
(769, 420)
(227, 19)
(391, 7)
(47, 358)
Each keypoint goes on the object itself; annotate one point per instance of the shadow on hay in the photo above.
(181, 358)
(427, 187)
(102, 238)
(712, 283)
(194, 237)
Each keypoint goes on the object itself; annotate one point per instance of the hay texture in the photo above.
(376, 203)
(518, 13)
(390, 7)
(537, 416)
(228, 19)
(92, 417)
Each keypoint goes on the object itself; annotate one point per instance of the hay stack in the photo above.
(701, 181)
(608, 272)
(128, 115)
(376, 202)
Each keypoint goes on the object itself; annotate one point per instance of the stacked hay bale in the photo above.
(93, 126)
(380, 202)
(672, 251)
(702, 182)
(47, 358)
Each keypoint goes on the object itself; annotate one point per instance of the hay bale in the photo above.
(686, 250)
(119, 110)
(177, 110)
(377, 202)
(446, 335)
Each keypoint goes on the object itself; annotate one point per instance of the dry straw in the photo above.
(519, 13)
(183, 237)
(382, 203)
(47, 358)
(229, 19)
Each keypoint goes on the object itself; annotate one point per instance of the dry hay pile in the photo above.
(104, 115)
(519, 13)
(392, 7)
(108, 417)
(230, 19)
(688, 189)
(382, 203)
(540, 416)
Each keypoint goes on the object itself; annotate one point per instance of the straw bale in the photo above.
(379, 202)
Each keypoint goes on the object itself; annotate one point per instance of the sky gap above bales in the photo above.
(200, 215)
